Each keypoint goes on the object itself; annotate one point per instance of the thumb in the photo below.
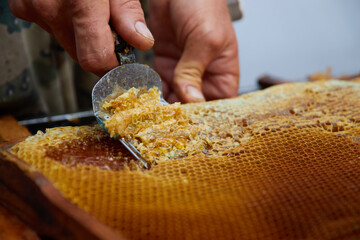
(187, 79)
(127, 18)
(199, 51)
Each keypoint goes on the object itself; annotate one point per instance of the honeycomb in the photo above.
(282, 163)
(157, 131)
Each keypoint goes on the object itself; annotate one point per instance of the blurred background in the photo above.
(293, 39)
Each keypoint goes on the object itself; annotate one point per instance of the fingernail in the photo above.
(141, 28)
(195, 93)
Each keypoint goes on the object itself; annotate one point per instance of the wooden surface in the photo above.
(10, 225)
(12, 228)
(27, 195)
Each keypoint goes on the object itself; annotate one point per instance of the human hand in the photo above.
(196, 51)
(82, 27)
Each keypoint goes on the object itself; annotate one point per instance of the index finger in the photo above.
(93, 36)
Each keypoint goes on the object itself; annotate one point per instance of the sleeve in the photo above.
(235, 9)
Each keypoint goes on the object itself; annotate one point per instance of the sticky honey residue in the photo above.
(157, 131)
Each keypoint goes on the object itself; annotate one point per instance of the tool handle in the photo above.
(124, 52)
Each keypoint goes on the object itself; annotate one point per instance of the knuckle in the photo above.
(88, 21)
(90, 63)
(208, 36)
(190, 74)
(18, 9)
(88, 26)
(212, 41)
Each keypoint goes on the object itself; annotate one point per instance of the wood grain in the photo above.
(33, 198)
